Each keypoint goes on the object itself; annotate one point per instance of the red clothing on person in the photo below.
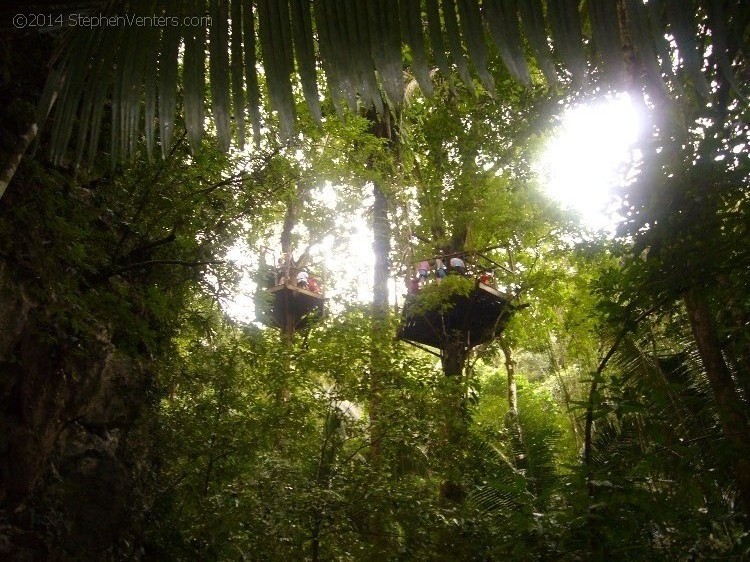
(312, 285)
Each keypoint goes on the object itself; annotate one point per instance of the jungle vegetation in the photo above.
(608, 421)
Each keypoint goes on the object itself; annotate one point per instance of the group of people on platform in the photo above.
(288, 272)
(286, 267)
(456, 266)
(306, 281)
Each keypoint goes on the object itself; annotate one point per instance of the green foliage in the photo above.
(440, 297)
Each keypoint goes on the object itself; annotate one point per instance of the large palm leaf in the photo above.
(358, 45)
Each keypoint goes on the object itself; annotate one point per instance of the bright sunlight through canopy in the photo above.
(589, 156)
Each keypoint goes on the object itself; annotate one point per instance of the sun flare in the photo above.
(588, 156)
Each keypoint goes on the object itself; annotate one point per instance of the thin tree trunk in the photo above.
(734, 423)
(510, 367)
(512, 421)
(378, 354)
(557, 370)
(381, 245)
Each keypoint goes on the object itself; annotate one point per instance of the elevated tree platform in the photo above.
(471, 319)
(288, 307)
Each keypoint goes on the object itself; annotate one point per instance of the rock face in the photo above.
(68, 442)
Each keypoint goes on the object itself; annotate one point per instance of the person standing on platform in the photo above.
(440, 270)
(302, 279)
(458, 265)
(312, 285)
(423, 269)
(412, 285)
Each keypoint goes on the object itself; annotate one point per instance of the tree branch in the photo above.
(15, 157)
(151, 263)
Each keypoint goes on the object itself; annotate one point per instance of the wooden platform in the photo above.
(477, 318)
(288, 307)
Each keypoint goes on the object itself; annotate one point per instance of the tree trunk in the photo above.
(510, 367)
(379, 352)
(734, 423)
(512, 423)
(453, 357)
(453, 361)
(381, 246)
(572, 416)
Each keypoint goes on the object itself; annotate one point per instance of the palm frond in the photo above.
(532, 16)
(275, 43)
(168, 85)
(358, 44)
(503, 487)
(194, 79)
(72, 82)
(339, 90)
(149, 103)
(238, 90)
(355, 34)
(657, 24)
(454, 42)
(501, 17)
(471, 25)
(304, 50)
(219, 71)
(251, 73)
(565, 23)
(385, 34)
(436, 36)
(393, 75)
(606, 34)
(684, 31)
(91, 111)
(412, 30)
(639, 26)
